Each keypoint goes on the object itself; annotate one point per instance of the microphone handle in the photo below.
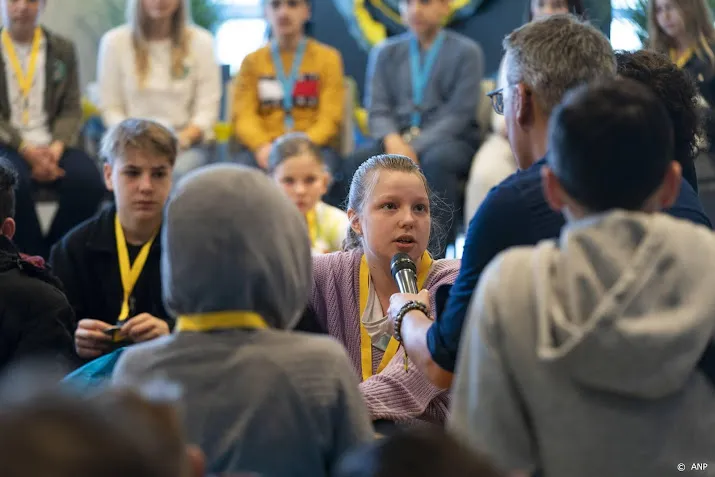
(406, 281)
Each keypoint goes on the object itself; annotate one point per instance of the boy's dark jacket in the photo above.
(86, 262)
(36, 320)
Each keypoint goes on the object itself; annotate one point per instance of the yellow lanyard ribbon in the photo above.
(128, 272)
(312, 219)
(683, 59)
(221, 320)
(365, 341)
(24, 81)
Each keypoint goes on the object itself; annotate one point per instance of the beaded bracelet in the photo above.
(406, 308)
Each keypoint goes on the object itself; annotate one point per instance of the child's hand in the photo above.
(262, 155)
(145, 327)
(90, 340)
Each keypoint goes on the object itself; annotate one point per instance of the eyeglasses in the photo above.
(497, 97)
(275, 4)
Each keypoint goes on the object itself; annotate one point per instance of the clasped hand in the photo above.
(91, 341)
(44, 161)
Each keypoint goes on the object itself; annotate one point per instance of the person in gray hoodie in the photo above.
(236, 271)
(580, 355)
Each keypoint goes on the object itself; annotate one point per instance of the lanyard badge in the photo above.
(288, 81)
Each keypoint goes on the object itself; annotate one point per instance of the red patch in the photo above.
(306, 88)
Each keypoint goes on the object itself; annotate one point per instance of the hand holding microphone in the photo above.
(404, 271)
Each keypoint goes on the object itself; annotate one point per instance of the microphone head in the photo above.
(402, 261)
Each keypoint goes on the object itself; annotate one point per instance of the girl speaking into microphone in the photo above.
(390, 211)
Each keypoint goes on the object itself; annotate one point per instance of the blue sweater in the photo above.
(450, 100)
(513, 213)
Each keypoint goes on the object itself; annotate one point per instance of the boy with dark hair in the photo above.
(677, 91)
(599, 334)
(40, 120)
(35, 317)
(418, 452)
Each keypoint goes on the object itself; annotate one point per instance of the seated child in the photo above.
(294, 83)
(40, 120)
(110, 264)
(161, 66)
(297, 166)
(422, 92)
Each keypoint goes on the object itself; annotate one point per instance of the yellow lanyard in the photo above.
(312, 219)
(221, 320)
(24, 81)
(365, 341)
(683, 59)
(129, 273)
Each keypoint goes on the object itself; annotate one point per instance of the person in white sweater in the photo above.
(161, 67)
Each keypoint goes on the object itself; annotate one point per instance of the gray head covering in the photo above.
(233, 242)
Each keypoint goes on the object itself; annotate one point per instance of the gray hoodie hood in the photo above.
(627, 305)
(232, 241)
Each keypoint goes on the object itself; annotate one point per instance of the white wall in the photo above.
(84, 22)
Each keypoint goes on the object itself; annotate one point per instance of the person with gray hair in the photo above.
(544, 59)
(580, 354)
(257, 396)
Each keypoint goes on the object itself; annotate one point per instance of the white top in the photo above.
(375, 321)
(37, 131)
(176, 103)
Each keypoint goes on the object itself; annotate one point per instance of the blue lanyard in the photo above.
(289, 82)
(420, 76)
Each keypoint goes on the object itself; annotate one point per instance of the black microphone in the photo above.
(404, 271)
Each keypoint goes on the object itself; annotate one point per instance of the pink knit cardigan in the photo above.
(392, 394)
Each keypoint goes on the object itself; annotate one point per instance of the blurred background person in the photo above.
(40, 120)
(683, 30)
(297, 165)
(162, 67)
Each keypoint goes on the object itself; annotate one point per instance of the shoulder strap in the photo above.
(707, 362)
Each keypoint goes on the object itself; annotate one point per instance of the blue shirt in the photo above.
(514, 213)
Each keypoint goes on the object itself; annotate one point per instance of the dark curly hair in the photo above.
(677, 91)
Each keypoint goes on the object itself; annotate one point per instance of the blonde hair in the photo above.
(138, 22)
(139, 134)
(698, 22)
(364, 181)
